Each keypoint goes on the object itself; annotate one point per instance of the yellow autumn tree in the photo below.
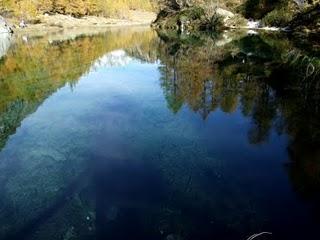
(77, 8)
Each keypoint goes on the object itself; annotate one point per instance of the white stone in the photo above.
(5, 41)
(224, 13)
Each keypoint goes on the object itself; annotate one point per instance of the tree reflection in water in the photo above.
(265, 77)
(272, 82)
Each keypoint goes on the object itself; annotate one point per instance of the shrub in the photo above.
(278, 17)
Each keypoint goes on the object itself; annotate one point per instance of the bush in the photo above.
(278, 17)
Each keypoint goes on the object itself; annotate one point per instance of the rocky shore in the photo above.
(198, 18)
(60, 27)
(57, 23)
(303, 20)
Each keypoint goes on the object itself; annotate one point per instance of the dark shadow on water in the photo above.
(124, 190)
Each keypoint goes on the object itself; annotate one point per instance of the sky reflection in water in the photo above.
(129, 136)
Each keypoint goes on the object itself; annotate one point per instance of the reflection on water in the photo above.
(127, 135)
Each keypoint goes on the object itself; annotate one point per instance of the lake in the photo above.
(134, 134)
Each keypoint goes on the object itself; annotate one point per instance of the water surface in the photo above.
(132, 134)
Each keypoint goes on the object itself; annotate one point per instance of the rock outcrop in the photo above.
(5, 37)
(196, 18)
(4, 26)
(5, 41)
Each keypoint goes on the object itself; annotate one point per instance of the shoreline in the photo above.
(58, 23)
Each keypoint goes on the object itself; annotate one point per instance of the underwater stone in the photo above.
(173, 237)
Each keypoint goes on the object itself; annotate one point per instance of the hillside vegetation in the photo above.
(189, 15)
(28, 9)
(199, 13)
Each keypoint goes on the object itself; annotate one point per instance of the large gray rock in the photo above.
(4, 26)
(5, 41)
(5, 36)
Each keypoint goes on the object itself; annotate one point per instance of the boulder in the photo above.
(5, 41)
(224, 13)
(4, 26)
(5, 37)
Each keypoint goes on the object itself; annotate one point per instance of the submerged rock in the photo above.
(173, 237)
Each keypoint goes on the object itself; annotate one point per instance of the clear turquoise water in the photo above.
(106, 157)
